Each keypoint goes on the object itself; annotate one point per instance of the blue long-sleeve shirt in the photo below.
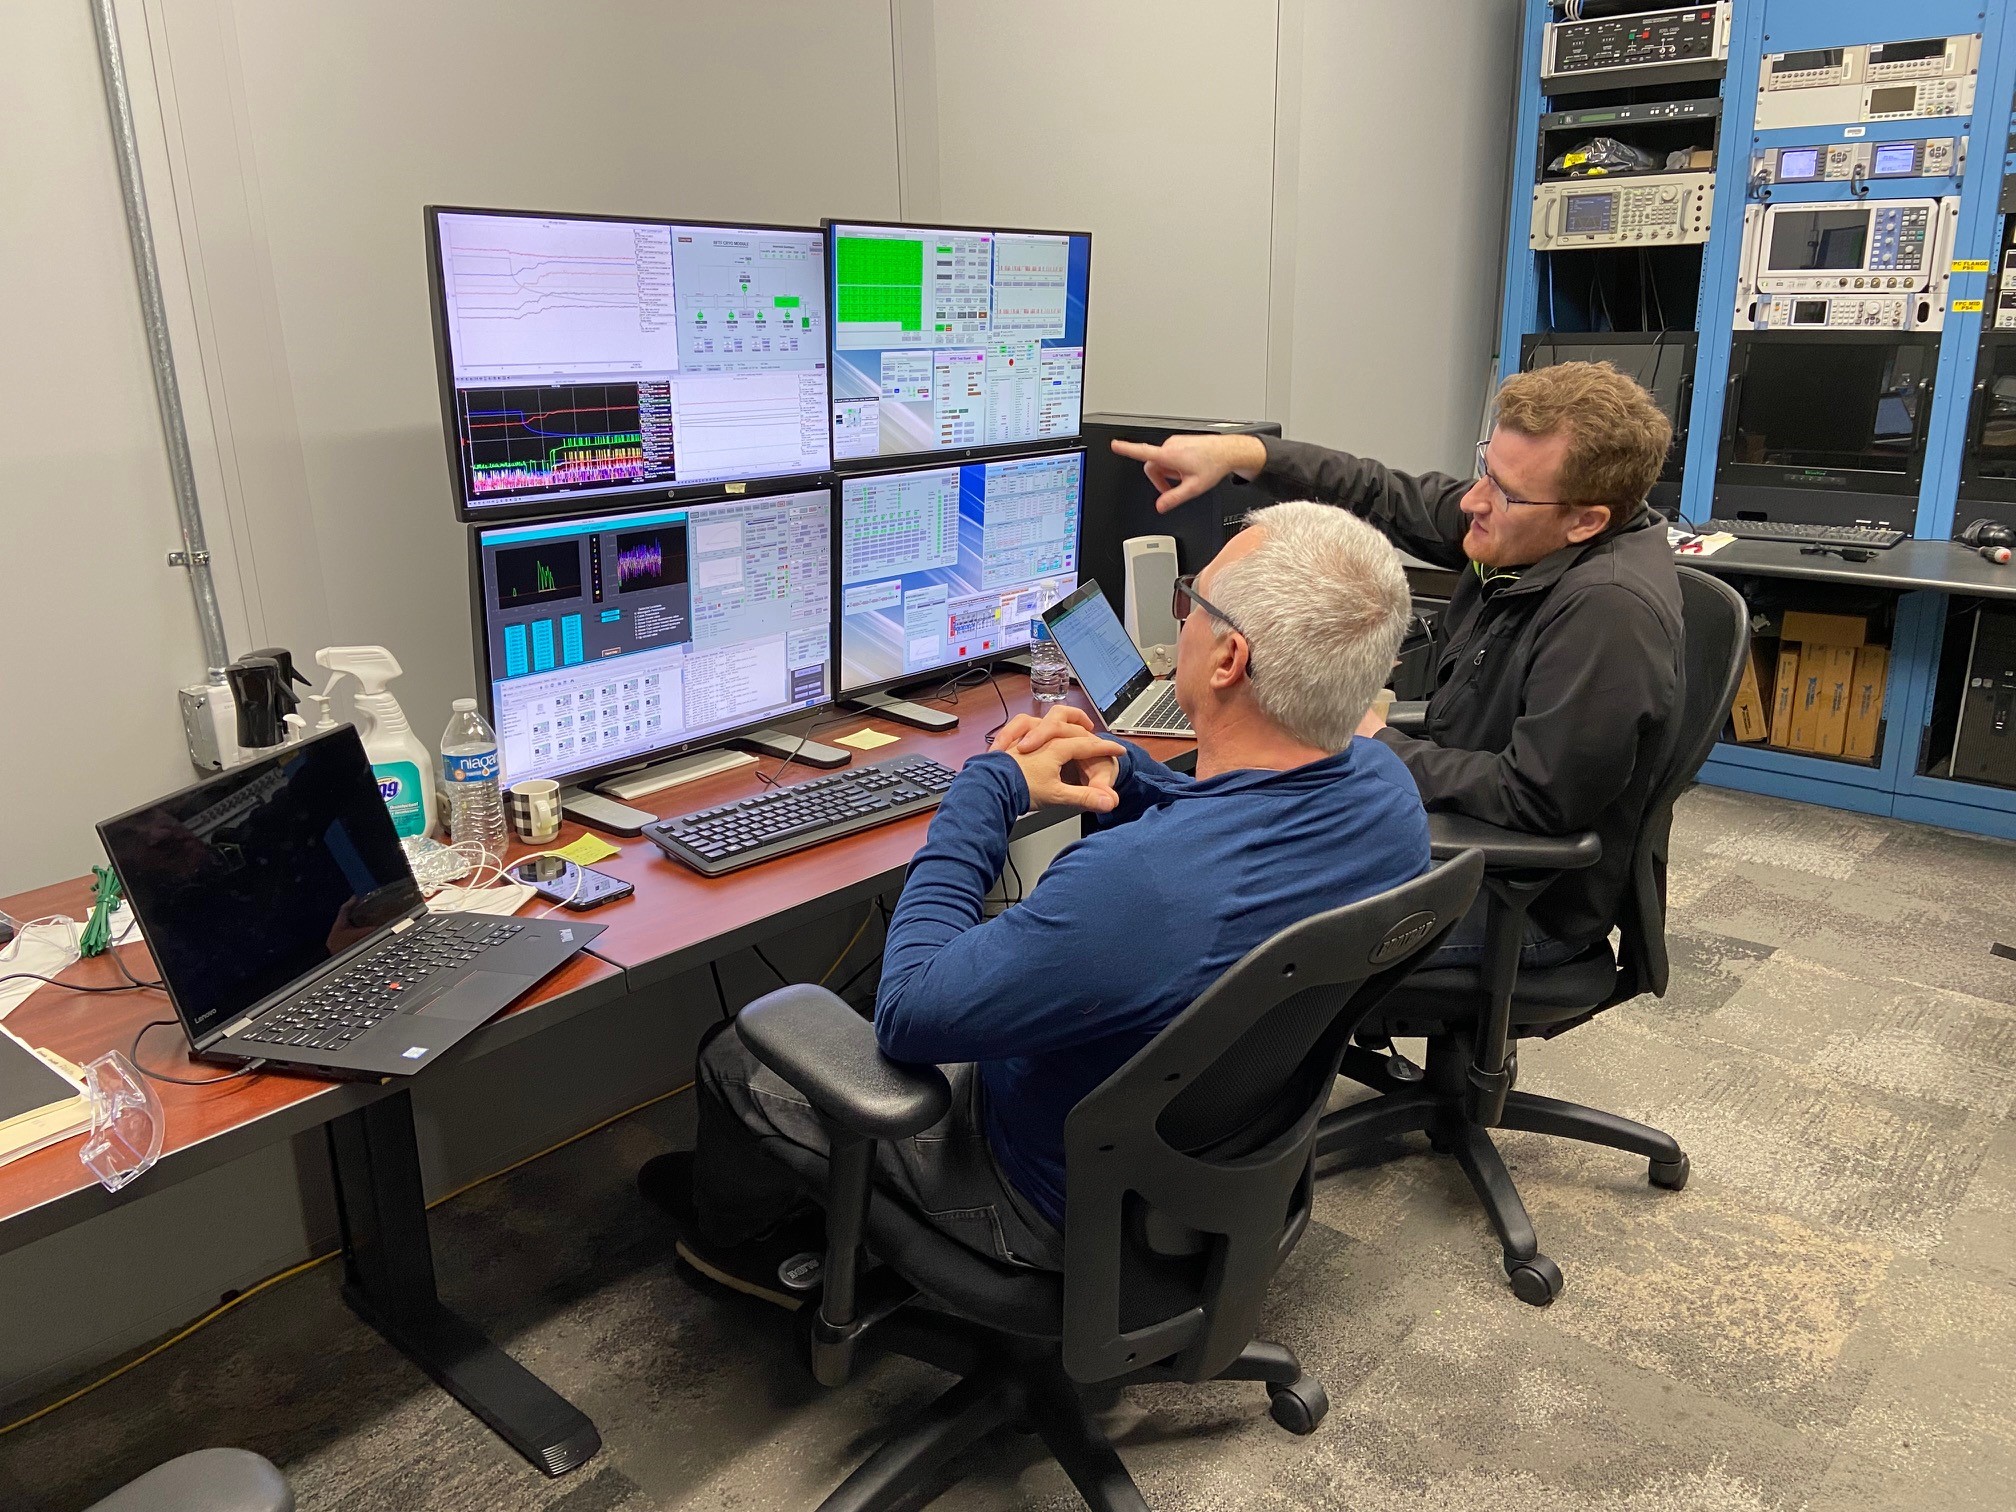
(1126, 927)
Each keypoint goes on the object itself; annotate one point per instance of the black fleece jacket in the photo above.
(1555, 695)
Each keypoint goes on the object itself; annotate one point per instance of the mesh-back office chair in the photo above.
(1188, 1180)
(1473, 1015)
(210, 1480)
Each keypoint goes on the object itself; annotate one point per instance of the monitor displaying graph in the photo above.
(940, 566)
(948, 339)
(608, 639)
(586, 358)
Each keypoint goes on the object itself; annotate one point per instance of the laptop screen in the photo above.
(1096, 644)
(249, 881)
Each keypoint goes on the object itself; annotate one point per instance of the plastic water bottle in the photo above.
(469, 772)
(1049, 672)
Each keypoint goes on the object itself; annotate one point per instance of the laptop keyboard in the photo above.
(1163, 714)
(352, 1002)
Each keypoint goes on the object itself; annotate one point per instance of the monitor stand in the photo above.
(886, 705)
(1016, 661)
(795, 749)
(604, 814)
(665, 774)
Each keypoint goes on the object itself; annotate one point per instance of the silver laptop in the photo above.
(1110, 670)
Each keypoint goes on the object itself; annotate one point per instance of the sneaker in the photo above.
(781, 1267)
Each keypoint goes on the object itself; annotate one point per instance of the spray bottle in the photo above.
(399, 758)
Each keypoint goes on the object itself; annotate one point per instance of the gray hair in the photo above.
(1323, 604)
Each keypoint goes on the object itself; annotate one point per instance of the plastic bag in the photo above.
(1604, 155)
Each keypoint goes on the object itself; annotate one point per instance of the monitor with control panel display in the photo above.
(941, 566)
(608, 640)
(595, 360)
(948, 339)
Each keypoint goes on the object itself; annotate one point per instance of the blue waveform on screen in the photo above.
(645, 560)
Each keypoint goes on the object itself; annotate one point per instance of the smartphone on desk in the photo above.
(574, 887)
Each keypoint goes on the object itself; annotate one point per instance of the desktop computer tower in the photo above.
(1984, 745)
(1120, 501)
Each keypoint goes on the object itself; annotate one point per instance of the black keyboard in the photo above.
(730, 836)
(1875, 537)
(375, 987)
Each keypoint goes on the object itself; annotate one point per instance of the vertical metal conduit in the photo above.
(195, 553)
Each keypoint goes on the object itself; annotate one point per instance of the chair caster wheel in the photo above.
(1299, 1407)
(1440, 1143)
(1535, 1282)
(1670, 1174)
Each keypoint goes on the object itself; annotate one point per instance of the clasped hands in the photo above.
(1064, 761)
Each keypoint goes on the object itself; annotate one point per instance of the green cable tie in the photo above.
(97, 936)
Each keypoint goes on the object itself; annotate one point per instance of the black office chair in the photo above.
(1472, 1016)
(1188, 1180)
(210, 1480)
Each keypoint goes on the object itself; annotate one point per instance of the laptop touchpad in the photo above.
(475, 997)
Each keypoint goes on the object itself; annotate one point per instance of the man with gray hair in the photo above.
(1286, 637)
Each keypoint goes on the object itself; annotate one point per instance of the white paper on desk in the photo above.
(44, 949)
(505, 898)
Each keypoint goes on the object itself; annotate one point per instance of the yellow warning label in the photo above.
(1966, 307)
(1970, 265)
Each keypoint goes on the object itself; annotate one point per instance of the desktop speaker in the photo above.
(1120, 502)
(1149, 615)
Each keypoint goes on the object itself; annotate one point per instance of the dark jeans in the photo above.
(1465, 945)
(946, 1175)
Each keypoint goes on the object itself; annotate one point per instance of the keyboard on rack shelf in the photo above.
(730, 836)
(1793, 533)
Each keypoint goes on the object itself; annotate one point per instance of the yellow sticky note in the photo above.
(587, 850)
(1970, 265)
(865, 739)
(1966, 307)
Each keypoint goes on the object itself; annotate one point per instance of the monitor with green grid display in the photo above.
(955, 339)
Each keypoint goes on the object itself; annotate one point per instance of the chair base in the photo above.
(1433, 1103)
(1011, 1382)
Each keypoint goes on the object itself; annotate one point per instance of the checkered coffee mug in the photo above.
(535, 809)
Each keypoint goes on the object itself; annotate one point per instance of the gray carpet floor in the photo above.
(1824, 1320)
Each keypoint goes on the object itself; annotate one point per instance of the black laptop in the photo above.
(288, 928)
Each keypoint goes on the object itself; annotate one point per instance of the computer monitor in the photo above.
(951, 339)
(941, 566)
(607, 640)
(589, 361)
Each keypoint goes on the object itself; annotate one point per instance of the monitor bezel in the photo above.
(587, 776)
(951, 669)
(892, 461)
(653, 494)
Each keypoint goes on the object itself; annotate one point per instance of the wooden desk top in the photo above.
(679, 919)
(205, 1126)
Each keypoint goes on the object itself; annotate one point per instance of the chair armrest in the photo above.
(1511, 850)
(827, 1051)
(1409, 717)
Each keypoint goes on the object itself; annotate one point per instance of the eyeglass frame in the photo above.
(1485, 475)
(1183, 594)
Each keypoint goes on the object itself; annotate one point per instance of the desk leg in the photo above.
(388, 1268)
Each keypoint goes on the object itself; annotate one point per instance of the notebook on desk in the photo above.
(42, 1099)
